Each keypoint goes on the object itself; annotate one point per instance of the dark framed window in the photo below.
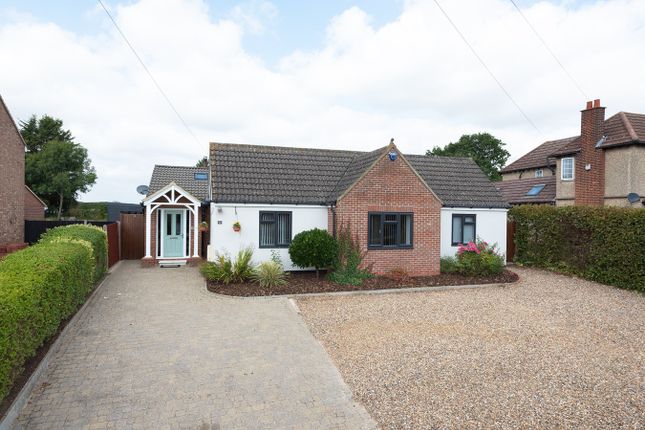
(389, 230)
(464, 228)
(275, 229)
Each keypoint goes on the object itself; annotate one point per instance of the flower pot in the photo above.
(237, 228)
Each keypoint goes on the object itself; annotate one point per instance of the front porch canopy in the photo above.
(171, 196)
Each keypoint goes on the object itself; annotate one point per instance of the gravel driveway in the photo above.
(548, 352)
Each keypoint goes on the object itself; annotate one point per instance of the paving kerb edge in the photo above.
(11, 417)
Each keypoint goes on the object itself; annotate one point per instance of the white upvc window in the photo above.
(539, 173)
(566, 169)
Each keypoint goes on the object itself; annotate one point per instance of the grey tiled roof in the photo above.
(182, 176)
(458, 181)
(265, 174)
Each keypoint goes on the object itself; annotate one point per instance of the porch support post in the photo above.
(148, 228)
(196, 234)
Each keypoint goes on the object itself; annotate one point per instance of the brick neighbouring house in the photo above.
(34, 207)
(602, 166)
(12, 191)
(407, 210)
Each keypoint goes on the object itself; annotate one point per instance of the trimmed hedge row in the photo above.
(93, 234)
(41, 286)
(603, 244)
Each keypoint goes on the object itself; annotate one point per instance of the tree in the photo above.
(56, 168)
(60, 169)
(37, 132)
(485, 149)
(202, 163)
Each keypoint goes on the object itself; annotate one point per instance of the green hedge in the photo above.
(603, 244)
(94, 235)
(39, 287)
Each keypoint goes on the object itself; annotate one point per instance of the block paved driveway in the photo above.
(154, 349)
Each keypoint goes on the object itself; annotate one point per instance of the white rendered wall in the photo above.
(490, 226)
(225, 240)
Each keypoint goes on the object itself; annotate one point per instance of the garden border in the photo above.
(366, 292)
(8, 421)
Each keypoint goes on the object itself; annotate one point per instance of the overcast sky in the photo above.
(326, 74)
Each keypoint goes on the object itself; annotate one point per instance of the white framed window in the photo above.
(566, 169)
(539, 173)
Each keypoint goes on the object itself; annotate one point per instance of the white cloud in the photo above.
(412, 79)
(253, 15)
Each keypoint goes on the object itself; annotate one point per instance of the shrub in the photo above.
(226, 271)
(92, 234)
(602, 244)
(347, 267)
(269, 274)
(243, 267)
(479, 259)
(449, 265)
(40, 286)
(313, 248)
(221, 270)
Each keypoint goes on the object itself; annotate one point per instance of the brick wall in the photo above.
(12, 166)
(590, 162)
(34, 209)
(392, 186)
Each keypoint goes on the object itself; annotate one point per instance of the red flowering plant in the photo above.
(479, 258)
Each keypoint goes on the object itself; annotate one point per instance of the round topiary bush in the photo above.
(313, 248)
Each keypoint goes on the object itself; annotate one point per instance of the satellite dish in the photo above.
(633, 198)
(142, 189)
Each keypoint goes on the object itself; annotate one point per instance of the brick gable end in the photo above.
(12, 194)
(393, 186)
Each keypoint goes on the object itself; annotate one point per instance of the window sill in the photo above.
(388, 248)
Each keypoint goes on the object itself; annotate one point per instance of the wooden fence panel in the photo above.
(132, 236)
(510, 241)
(112, 231)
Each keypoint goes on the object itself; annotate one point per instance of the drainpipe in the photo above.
(333, 220)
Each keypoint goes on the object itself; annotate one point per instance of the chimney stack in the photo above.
(590, 162)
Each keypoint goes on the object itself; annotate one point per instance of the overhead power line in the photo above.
(490, 72)
(152, 78)
(557, 60)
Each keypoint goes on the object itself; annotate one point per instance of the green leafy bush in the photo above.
(40, 286)
(96, 236)
(347, 267)
(313, 248)
(226, 271)
(269, 274)
(474, 259)
(449, 265)
(602, 244)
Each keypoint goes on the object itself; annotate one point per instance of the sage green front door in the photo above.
(173, 233)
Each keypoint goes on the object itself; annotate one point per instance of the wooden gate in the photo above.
(132, 236)
(510, 241)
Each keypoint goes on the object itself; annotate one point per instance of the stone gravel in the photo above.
(550, 351)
